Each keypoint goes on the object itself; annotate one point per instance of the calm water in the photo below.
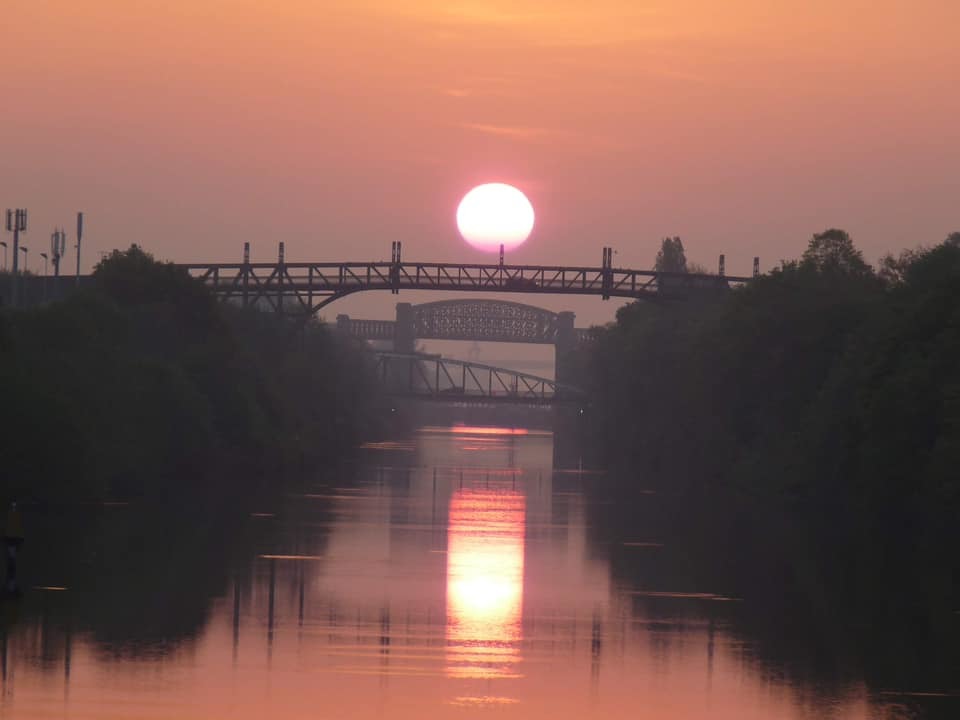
(456, 574)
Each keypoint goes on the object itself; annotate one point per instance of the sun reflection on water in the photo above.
(485, 583)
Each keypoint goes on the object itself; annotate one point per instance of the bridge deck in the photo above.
(307, 287)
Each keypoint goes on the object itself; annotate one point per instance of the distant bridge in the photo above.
(433, 377)
(305, 288)
(476, 320)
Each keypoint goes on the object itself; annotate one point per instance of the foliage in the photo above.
(671, 257)
(832, 251)
(143, 384)
(803, 432)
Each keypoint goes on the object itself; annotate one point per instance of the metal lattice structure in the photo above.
(438, 378)
(484, 320)
(307, 287)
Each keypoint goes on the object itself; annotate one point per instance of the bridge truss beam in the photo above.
(438, 378)
(307, 287)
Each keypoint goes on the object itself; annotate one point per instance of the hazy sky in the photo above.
(191, 126)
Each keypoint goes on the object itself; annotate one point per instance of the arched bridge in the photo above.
(305, 288)
(474, 319)
(433, 377)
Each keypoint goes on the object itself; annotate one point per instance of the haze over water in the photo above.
(453, 574)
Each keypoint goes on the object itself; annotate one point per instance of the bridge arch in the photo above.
(473, 319)
(484, 320)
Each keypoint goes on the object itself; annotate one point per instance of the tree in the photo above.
(953, 239)
(671, 257)
(833, 251)
(893, 269)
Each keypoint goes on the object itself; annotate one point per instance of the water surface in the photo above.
(456, 573)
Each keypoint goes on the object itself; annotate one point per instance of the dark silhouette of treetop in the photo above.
(671, 257)
(832, 251)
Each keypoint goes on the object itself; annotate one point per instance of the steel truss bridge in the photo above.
(477, 320)
(305, 288)
(433, 377)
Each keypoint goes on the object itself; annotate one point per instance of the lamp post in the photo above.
(4, 254)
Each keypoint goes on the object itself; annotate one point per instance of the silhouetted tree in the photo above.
(834, 251)
(671, 257)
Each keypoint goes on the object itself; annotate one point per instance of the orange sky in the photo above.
(191, 126)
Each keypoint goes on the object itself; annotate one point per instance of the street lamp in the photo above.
(4, 254)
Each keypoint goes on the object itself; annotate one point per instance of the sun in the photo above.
(495, 214)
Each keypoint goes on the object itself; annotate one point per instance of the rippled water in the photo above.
(454, 574)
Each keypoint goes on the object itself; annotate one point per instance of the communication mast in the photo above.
(16, 223)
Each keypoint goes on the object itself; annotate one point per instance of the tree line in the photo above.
(803, 434)
(142, 384)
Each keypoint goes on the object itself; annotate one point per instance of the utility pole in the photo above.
(79, 238)
(58, 248)
(44, 256)
(16, 223)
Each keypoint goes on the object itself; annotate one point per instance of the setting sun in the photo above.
(495, 214)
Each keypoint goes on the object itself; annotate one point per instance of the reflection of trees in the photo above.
(140, 578)
(804, 615)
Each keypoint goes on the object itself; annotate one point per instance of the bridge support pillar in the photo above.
(404, 334)
(564, 345)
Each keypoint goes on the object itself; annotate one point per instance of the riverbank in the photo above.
(803, 435)
(142, 385)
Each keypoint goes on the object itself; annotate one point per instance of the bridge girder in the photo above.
(484, 320)
(438, 378)
(305, 288)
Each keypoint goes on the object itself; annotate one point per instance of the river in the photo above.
(454, 573)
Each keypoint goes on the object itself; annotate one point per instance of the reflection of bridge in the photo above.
(304, 288)
(438, 378)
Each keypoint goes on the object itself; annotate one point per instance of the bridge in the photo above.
(478, 320)
(433, 377)
(306, 287)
